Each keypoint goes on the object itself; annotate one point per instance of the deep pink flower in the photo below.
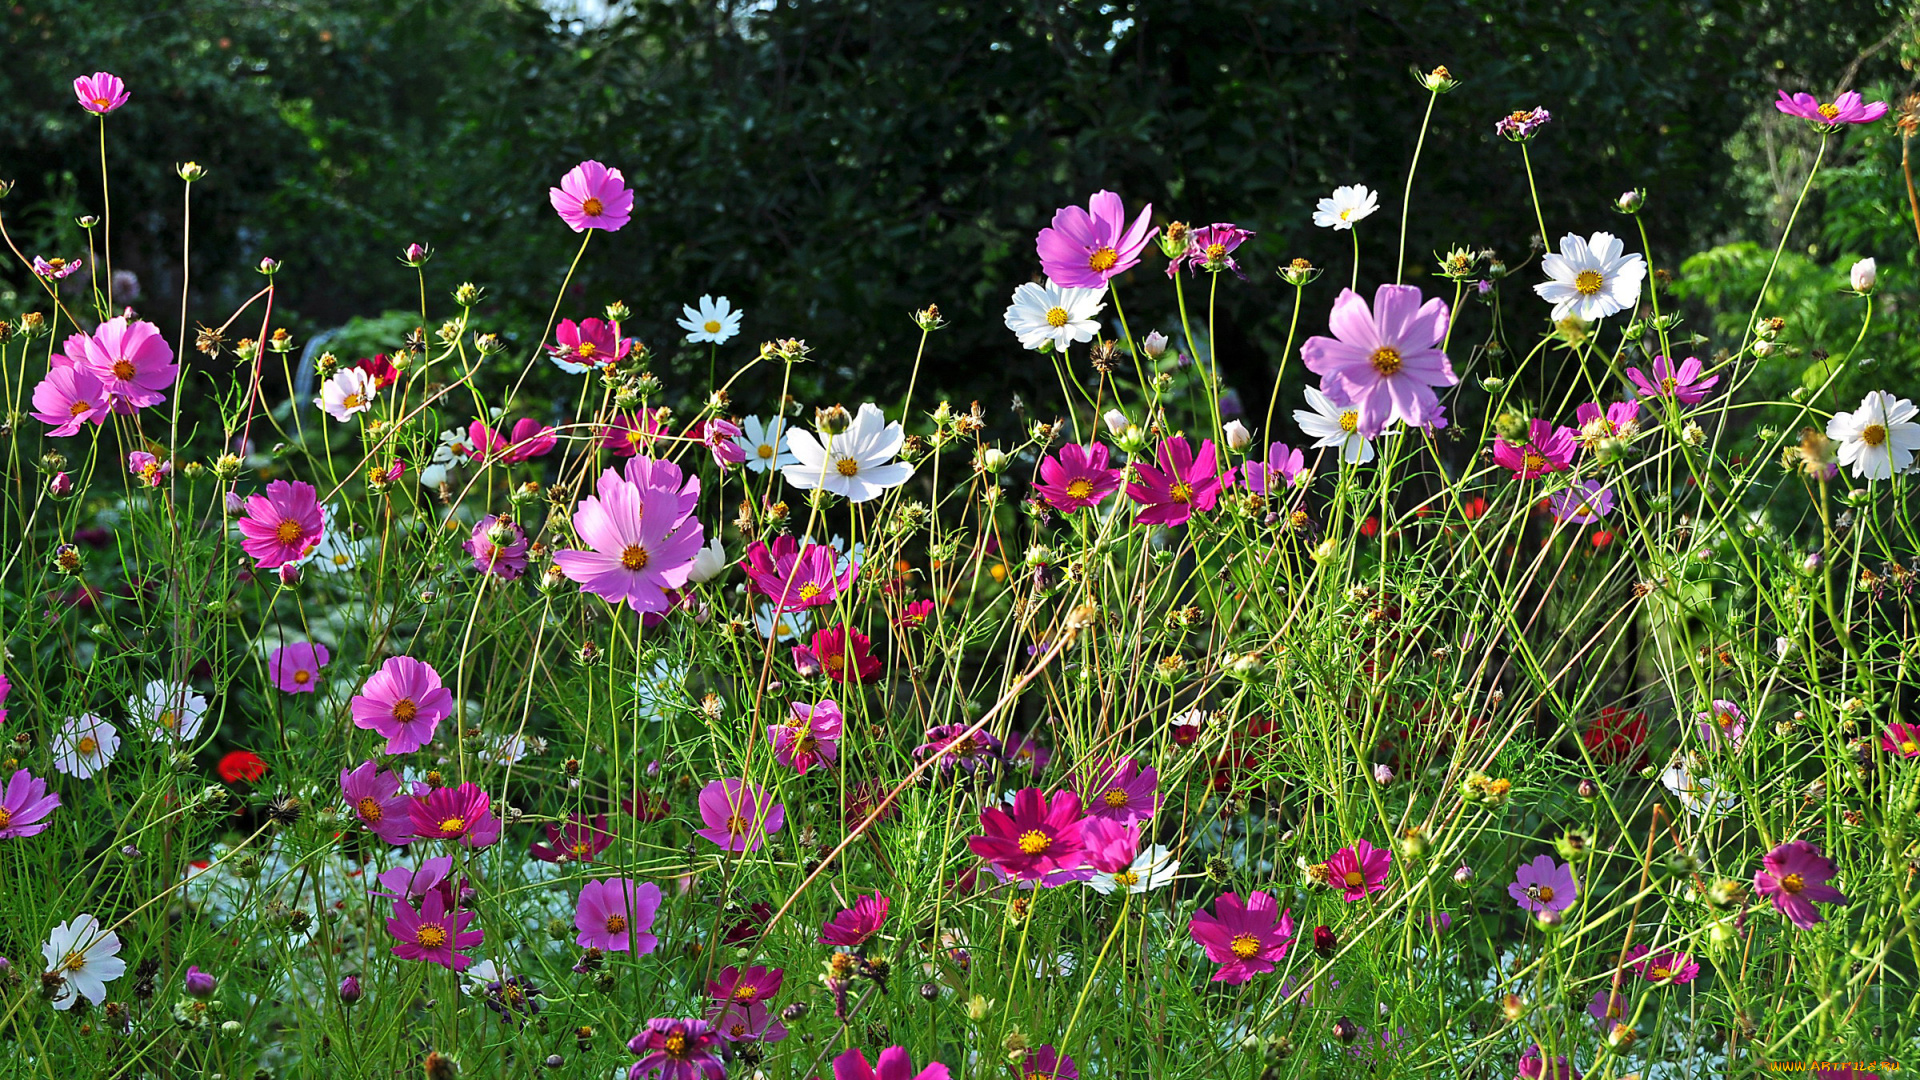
(1275, 474)
(719, 435)
(56, 269)
(915, 615)
(403, 701)
(101, 92)
(1359, 870)
(957, 746)
(1535, 1066)
(1076, 477)
(1620, 421)
(1120, 790)
(373, 796)
(828, 653)
(587, 344)
(1046, 1063)
(628, 434)
(1848, 108)
(856, 924)
(295, 668)
(132, 361)
(461, 813)
(151, 470)
(739, 815)
(1677, 967)
(24, 806)
(382, 369)
(1111, 845)
(809, 737)
(282, 525)
(506, 560)
(433, 933)
(892, 1064)
(748, 986)
(68, 397)
(1038, 837)
(1547, 449)
(615, 914)
(1183, 483)
(1725, 722)
(579, 839)
(1083, 249)
(673, 1049)
(412, 886)
(796, 576)
(746, 1022)
(1544, 885)
(1022, 751)
(1211, 248)
(639, 551)
(1901, 739)
(530, 439)
(592, 196)
(1385, 360)
(1245, 939)
(1682, 383)
(1795, 875)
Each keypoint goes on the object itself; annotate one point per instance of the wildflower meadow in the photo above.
(1530, 692)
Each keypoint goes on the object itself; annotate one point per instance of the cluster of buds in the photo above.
(1437, 81)
(1481, 790)
(786, 351)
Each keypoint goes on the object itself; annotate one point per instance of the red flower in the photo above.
(381, 368)
(1601, 538)
(1615, 737)
(1475, 507)
(242, 765)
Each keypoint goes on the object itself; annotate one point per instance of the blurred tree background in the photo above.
(831, 165)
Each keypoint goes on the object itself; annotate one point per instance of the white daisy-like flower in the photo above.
(708, 563)
(1591, 278)
(337, 552)
(857, 463)
(661, 689)
(1697, 793)
(168, 711)
(782, 626)
(1333, 424)
(1347, 204)
(351, 390)
(498, 748)
(85, 745)
(765, 443)
(84, 957)
(454, 452)
(1154, 868)
(482, 973)
(1879, 438)
(713, 323)
(1049, 313)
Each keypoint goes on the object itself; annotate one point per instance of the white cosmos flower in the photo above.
(85, 958)
(1043, 313)
(1879, 438)
(168, 711)
(1862, 276)
(1153, 868)
(708, 563)
(765, 443)
(661, 689)
(857, 463)
(337, 552)
(784, 626)
(351, 390)
(1333, 424)
(713, 323)
(84, 745)
(1348, 204)
(1591, 279)
(1697, 793)
(454, 452)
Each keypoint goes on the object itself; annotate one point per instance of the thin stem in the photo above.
(1266, 430)
(1754, 318)
(1406, 198)
(106, 213)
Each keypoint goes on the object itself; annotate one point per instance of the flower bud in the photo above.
(417, 255)
(350, 991)
(1463, 875)
(190, 171)
(468, 294)
(289, 574)
(1438, 81)
(1345, 1030)
(1863, 274)
(1237, 435)
(199, 984)
(1154, 345)
(832, 420)
(928, 318)
(269, 265)
(1630, 202)
(60, 485)
(1299, 272)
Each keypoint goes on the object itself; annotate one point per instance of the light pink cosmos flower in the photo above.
(615, 914)
(1076, 477)
(739, 816)
(638, 550)
(132, 361)
(373, 796)
(647, 472)
(1212, 249)
(810, 737)
(530, 439)
(1544, 885)
(1245, 939)
(100, 93)
(746, 1022)
(1385, 360)
(1582, 504)
(1547, 449)
(403, 701)
(1723, 723)
(463, 813)
(499, 547)
(1084, 249)
(588, 344)
(1682, 383)
(151, 470)
(1276, 474)
(1359, 870)
(892, 1064)
(856, 924)
(56, 269)
(1670, 966)
(1035, 838)
(68, 397)
(282, 525)
(295, 668)
(1794, 876)
(433, 933)
(1621, 420)
(1848, 108)
(1185, 481)
(592, 196)
(24, 806)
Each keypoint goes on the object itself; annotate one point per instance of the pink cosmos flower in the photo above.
(856, 924)
(587, 344)
(1046, 1063)
(1901, 739)
(1724, 722)
(1084, 249)
(1038, 837)
(751, 1022)
(295, 668)
(1076, 477)
(892, 1064)
(1276, 474)
(1245, 939)
(1211, 248)
(132, 361)
(577, 840)
(828, 653)
(1795, 875)
(373, 795)
(282, 525)
(1534, 1065)
(461, 813)
(1359, 870)
(915, 615)
(404, 701)
(658, 473)
(1848, 108)
(1183, 483)
(1682, 383)
(499, 547)
(957, 746)
(719, 435)
(811, 736)
(1620, 421)
(1582, 504)
(1522, 124)
(530, 439)
(101, 93)
(24, 806)
(673, 1049)
(628, 434)
(739, 815)
(1544, 885)
(1119, 791)
(151, 470)
(592, 196)
(1385, 360)
(413, 886)
(1675, 967)
(68, 397)
(638, 550)
(433, 933)
(796, 576)
(749, 986)
(1547, 449)
(1024, 752)
(615, 914)
(56, 269)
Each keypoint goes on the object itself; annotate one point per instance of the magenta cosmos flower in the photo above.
(433, 933)
(24, 806)
(295, 668)
(404, 701)
(1119, 791)
(810, 736)
(1245, 939)
(499, 547)
(592, 196)
(627, 434)
(373, 796)
(1676, 967)
(838, 653)
(1275, 474)
(529, 439)
(1544, 885)
(1848, 108)
(1682, 383)
(101, 93)
(721, 438)
(282, 525)
(1723, 723)
(640, 546)
(739, 815)
(856, 924)
(1384, 361)
(1620, 420)
(587, 344)
(674, 1049)
(1547, 449)
(797, 576)
(463, 813)
(1536, 1066)
(1901, 739)
(1183, 483)
(748, 986)
(615, 914)
(1038, 837)
(1046, 1063)
(892, 1064)
(1084, 249)
(1795, 875)
(1076, 477)
(1212, 249)
(578, 839)
(132, 361)
(1582, 504)
(1359, 870)
(68, 397)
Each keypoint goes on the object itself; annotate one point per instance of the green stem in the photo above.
(1406, 198)
(1754, 318)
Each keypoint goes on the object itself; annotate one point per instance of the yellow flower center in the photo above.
(352, 401)
(1246, 946)
(847, 466)
(288, 531)
(1726, 719)
(453, 825)
(1080, 488)
(343, 559)
(1908, 746)
(6, 817)
(1661, 972)
(430, 936)
(805, 744)
(676, 1045)
(1182, 491)
(169, 720)
(616, 924)
(1792, 883)
(1035, 842)
(1355, 879)
(1385, 360)
(634, 558)
(88, 745)
(1126, 879)
(711, 326)
(764, 450)
(1829, 111)
(1546, 894)
(1057, 317)
(1668, 384)
(1873, 434)
(123, 369)
(1534, 461)
(579, 848)
(302, 678)
(745, 992)
(1102, 259)
(369, 809)
(736, 824)
(1216, 252)
(405, 710)
(1350, 421)
(79, 408)
(592, 207)
(586, 349)
(1115, 798)
(1588, 282)
(809, 591)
